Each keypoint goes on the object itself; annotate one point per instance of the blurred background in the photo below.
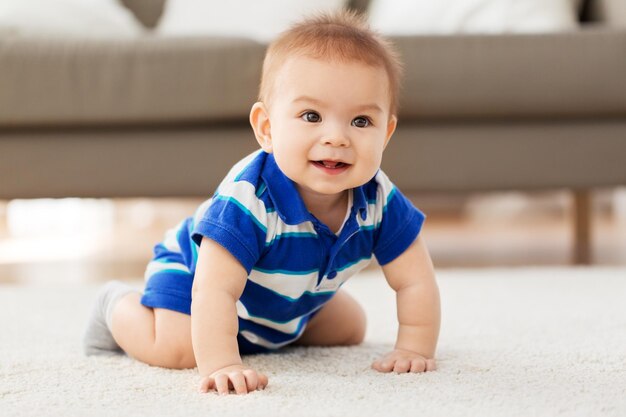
(117, 118)
(99, 239)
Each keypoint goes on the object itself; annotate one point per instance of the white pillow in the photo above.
(411, 17)
(85, 18)
(262, 20)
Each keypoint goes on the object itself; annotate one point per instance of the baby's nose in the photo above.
(336, 137)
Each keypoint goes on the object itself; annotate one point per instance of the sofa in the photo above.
(154, 116)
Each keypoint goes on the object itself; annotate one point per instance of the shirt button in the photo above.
(332, 274)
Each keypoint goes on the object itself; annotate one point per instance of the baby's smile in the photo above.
(332, 167)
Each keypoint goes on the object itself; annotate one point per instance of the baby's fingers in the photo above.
(402, 366)
(238, 380)
(423, 365)
(383, 365)
(254, 380)
(418, 365)
(206, 384)
(221, 384)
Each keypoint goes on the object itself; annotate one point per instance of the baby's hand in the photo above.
(403, 361)
(238, 378)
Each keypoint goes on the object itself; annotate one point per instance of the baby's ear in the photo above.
(391, 127)
(260, 121)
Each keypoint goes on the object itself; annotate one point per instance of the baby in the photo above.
(261, 264)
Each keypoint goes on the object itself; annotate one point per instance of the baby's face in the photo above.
(329, 123)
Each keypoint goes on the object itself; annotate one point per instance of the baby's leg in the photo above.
(157, 336)
(340, 322)
(98, 339)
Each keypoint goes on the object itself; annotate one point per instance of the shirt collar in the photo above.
(288, 202)
(359, 202)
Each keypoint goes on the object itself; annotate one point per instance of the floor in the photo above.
(93, 240)
(514, 342)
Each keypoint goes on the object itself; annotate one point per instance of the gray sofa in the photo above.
(167, 117)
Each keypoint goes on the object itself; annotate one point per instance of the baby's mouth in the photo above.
(331, 164)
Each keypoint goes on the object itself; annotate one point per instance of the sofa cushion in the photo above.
(145, 80)
(363, 5)
(410, 17)
(73, 82)
(481, 76)
(94, 18)
(259, 20)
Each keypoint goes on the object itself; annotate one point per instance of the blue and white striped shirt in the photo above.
(295, 263)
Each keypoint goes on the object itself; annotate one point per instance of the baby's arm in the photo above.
(412, 276)
(219, 282)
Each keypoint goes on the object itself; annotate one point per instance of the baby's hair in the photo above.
(341, 37)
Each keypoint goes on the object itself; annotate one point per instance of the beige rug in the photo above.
(515, 342)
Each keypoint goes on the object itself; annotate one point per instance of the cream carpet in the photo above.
(514, 342)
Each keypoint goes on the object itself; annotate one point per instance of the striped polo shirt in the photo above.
(294, 262)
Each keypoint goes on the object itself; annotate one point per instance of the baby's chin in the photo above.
(329, 189)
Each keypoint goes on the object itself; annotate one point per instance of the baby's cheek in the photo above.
(371, 165)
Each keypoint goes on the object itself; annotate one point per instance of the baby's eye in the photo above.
(311, 117)
(361, 121)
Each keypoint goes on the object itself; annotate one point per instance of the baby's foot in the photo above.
(98, 339)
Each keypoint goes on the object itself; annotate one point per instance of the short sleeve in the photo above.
(236, 220)
(400, 225)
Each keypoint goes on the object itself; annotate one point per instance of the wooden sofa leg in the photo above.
(582, 227)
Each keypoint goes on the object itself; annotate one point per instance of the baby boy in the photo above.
(261, 264)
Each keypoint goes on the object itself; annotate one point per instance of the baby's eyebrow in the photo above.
(363, 107)
(307, 99)
(371, 107)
